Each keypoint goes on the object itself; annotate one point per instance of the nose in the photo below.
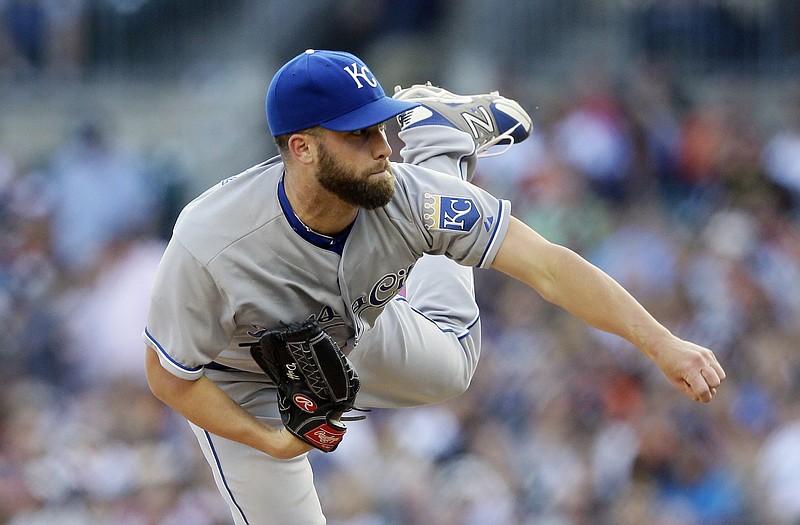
(381, 148)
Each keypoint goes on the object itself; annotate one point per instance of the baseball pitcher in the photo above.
(328, 280)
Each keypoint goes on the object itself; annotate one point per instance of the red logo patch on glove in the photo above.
(305, 403)
(324, 437)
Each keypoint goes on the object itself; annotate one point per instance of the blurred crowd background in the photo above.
(666, 151)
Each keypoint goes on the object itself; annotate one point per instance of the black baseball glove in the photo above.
(316, 382)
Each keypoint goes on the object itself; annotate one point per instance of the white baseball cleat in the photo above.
(491, 119)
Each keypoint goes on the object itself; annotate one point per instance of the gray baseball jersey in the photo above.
(240, 261)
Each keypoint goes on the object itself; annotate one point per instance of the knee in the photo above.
(436, 389)
(448, 388)
(452, 378)
(412, 393)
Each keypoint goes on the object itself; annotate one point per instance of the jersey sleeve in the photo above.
(458, 219)
(190, 320)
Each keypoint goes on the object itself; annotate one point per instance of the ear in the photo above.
(302, 148)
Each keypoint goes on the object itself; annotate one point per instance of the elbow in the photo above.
(551, 282)
(151, 372)
(167, 387)
(158, 379)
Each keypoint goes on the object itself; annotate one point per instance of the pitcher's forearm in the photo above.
(594, 297)
(564, 278)
(203, 403)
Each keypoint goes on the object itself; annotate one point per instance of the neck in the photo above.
(316, 207)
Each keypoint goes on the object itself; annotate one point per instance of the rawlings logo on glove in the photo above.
(304, 403)
(316, 382)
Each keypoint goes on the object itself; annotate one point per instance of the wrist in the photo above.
(654, 343)
(281, 444)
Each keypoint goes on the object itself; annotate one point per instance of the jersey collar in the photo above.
(334, 244)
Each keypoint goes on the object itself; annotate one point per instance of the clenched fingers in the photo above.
(702, 385)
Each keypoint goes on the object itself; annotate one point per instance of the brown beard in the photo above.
(356, 187)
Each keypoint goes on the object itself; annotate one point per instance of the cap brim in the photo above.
(369, 115)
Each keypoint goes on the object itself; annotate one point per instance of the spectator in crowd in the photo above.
(43, 36)
(99, 193)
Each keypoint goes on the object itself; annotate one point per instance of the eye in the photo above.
(379, 128)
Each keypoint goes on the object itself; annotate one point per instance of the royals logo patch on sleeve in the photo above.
(450, 213)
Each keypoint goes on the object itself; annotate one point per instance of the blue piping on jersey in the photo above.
(494, 233)
(334, 244)
(169, 357)
(444, 330)
(222, 476)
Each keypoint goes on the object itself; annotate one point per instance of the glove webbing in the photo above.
(310, 367)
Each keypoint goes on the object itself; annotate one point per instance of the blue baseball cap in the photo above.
(332, 89)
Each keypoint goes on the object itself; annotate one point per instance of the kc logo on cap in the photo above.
(361, 72)
(316, 89)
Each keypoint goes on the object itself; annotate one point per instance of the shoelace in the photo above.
(481, 151)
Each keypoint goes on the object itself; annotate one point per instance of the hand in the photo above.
(691, 368)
